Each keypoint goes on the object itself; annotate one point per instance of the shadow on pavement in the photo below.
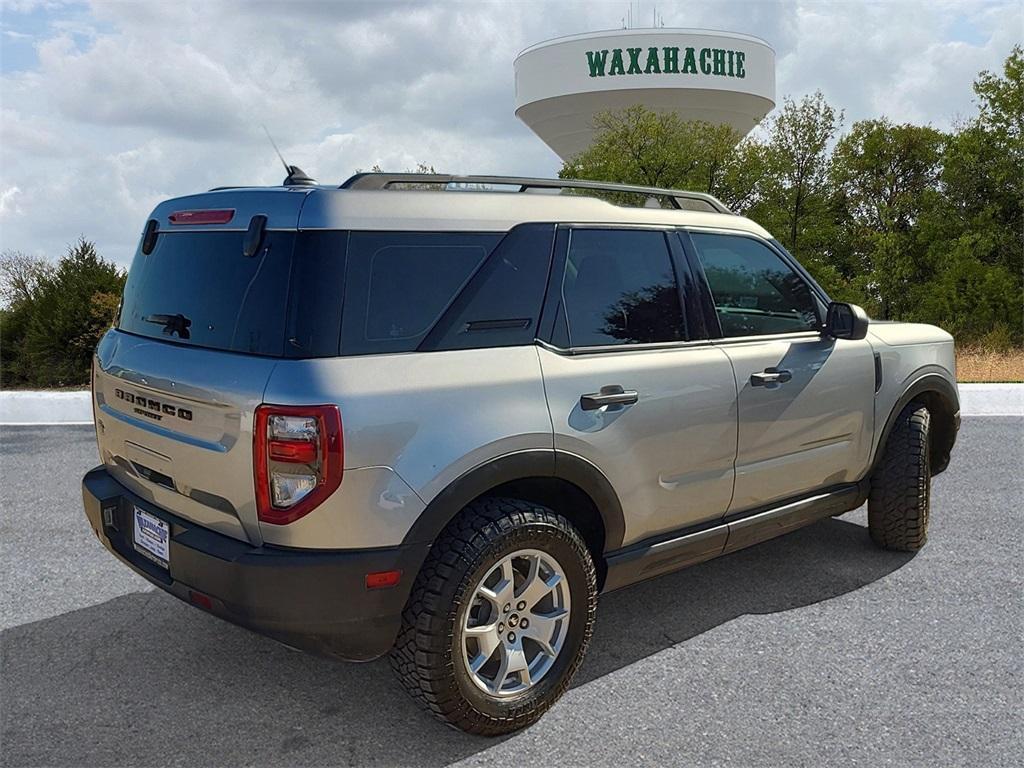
(144, 679)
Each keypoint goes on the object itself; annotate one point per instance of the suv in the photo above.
(436, 416)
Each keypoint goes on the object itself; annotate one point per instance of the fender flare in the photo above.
(522, 465)
(929, 383)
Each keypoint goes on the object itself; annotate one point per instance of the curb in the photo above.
(18, 408)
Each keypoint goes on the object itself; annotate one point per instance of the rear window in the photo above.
(303, 294)
(199, 289)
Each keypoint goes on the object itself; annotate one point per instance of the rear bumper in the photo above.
(316, 601)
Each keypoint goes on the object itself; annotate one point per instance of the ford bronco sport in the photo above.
(437, 416)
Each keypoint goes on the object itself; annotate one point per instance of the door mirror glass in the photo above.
(846, 321)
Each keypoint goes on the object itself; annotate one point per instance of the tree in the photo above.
(656, 149)
(887, 174)
(71, 309)
(974, 229)
(798, 164)
(20, 275)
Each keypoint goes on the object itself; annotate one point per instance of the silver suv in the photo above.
(436, 416)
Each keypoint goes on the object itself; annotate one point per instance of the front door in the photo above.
(629, 391)
(806, 401)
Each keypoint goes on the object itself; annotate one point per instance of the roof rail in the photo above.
(680, 198)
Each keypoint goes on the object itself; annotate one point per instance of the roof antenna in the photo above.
(296, 176)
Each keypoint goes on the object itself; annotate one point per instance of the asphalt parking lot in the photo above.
(814, 649)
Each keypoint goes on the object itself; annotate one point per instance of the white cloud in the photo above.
(129, 103)
(9, 202)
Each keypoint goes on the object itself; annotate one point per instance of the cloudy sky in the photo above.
(108, 107)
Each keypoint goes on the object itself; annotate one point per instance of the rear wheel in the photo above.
(900, 497)
(499, 617)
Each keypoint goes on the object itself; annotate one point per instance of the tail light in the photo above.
(298, 459)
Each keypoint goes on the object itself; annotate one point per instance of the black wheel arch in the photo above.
(939, 396)
(569, 484)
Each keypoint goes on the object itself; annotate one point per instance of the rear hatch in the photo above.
(203, 323)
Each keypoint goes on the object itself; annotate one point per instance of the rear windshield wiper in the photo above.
(173, 324)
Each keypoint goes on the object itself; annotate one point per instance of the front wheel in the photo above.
(900, 497)
(499, 617)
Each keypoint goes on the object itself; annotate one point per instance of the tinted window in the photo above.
(500, 306)
(199, 289)
(619, 287)
(399, 283)
(317, 288)
(755, 291)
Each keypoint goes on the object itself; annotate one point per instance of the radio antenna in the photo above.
(296, 176)
(278, 151)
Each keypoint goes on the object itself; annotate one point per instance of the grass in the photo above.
(975, 364)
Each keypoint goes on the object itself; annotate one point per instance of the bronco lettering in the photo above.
(152, 405)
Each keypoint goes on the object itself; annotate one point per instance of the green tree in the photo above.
(974, 230)
(71, 309)
(20, 276)
(796, 190)
(656, 149)
(886, 175)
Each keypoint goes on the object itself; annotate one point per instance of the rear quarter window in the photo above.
(398, 285)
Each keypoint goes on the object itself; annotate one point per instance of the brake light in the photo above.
(298, 456)
(222, 216)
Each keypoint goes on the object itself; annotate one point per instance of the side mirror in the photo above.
(846, 321)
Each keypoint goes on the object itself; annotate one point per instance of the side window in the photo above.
(619, 287)
(755, 291)
(500, 305)
(399, 283)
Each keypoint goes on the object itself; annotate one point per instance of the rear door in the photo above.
(806, 401)
(201, 328)
(174, 425)
(629, 387)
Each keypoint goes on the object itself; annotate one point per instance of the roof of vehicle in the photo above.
(385, 202)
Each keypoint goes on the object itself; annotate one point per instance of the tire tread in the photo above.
(421, 657)
(899, 502)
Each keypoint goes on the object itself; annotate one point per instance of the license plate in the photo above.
(152, 537)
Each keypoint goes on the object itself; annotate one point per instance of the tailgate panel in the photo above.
(174, 424)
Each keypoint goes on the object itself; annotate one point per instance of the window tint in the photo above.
(755, 291)
(199, 289)
(399, 283)
(501, 304)
(619, 287)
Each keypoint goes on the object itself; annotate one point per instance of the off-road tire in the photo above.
(901, 485)
(425, 654)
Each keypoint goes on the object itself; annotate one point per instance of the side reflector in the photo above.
(198, 598)
(202, 217)
(382, 579)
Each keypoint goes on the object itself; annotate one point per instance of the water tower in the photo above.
(719, 77)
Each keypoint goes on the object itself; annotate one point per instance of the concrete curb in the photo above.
(991, 399)
(26, 407)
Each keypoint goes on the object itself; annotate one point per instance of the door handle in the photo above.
(770, 376)
(612, 394)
